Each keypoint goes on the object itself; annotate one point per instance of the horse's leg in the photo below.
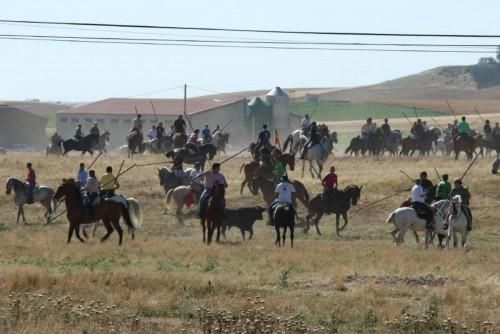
(18, 214)
(455, 239)
(242, 234)
(84, 232)
(416, 236)
(278, 241)
(203, 226)
(22, 213)
(70, 232)
(303, 167)
(217, 239)
(316, 223)
(77, 232)
(118, 228)
(243, 185)
(393, 233)
(344, 215)
(337, 222)
(251, 233)
(210, 231)
(292, 234)
(284, 235)
(109, 230)
(178, 212)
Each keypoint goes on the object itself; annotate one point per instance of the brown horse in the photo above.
(463, 143)
(267, 188)
(135, 143)
(179, 140)
(214, 214)
(254, 169)
(108, 211)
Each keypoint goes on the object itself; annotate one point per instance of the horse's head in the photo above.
(334, 137)
(225, 137)
(218, 191)
(106, 135)
(9, 185)
(162, 171)
(456, 203)
(353, 193)
(66, 188)
(289, 160)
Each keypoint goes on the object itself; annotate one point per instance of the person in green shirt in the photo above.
(463, 127)
(279, 170)
(79, 133)
(443, 188)
(464, 193)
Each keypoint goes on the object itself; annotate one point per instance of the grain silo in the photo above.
(278, 100)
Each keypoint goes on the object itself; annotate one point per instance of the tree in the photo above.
(487, 61)
(498, 53)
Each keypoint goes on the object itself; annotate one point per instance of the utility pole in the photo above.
(185, 108)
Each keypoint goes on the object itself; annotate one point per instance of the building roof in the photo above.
(8, 108)
(276, 91)
(126, 106)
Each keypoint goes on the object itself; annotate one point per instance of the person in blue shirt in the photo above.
(206, 134)
(81, 176)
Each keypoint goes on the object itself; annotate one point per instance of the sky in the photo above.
(85, 72)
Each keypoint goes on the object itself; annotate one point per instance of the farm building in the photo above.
(116, 115)
(21, 127)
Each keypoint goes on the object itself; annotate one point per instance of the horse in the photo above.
(180, 195)
(338, 203)
(135, 143)
(168, 179)
(42, 194)
(283, 217)
(108, 211)
(391, 142)
(495, 166)
(213, 216)
(296, 140)
(463, 143)
(356, 146)
(221, 139)
(87, 144)
(268, 187)
(54, 149)
(254, 169)
(157, 146)
(319, 153)
(409, 144)
(405, 218)
(178, 140)
(101, 142)
(376, 142)
(457, 222)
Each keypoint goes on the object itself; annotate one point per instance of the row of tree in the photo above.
(486, 73)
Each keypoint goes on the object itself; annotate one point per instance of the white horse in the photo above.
(319, 153)
(42, 194)
(101, 143)
(406, 218)
(457, 222)
(296, 140)
(179, 194)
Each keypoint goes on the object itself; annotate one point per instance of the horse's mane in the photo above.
(71, 182)
(351, 186)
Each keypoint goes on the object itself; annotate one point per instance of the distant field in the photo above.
(336, 111)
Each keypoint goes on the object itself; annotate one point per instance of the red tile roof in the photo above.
(162, 106)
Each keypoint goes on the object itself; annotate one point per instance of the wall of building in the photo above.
(20, 127)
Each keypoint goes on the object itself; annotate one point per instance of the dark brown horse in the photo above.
(463, 143)
(267, 188)
(214, 214)
(255, 169)
(108, 211)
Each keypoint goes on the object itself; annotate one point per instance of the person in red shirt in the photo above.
(330, 183)
(31, 180)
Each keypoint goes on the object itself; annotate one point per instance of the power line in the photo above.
(77, 40)
(293, 32)
(250, 42)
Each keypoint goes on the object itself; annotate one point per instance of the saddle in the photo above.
(420, 210)
(279, 206)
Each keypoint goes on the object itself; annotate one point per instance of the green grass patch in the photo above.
(328, 111)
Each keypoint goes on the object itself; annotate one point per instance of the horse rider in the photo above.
(263, 138)
(305, 124)
(79, 133)
(285, 191)
(55, 140)
(463, 127)
(81, 176)
(330, 184)
(386, 128)
(206, 134)
(211, 178)
(217, 130)
(448, 132)
(443, 188)
(454, 128)
(177, 167)
(464, 193)
(95, 130)
(108, 184)
(160, 131)
(418, 131)
(495, 131)
(92, 191)
(31, 181)
(180, 125)
(418, 197)
(193, 139)
(314, 139)
(366, 129)
(152, 133)
(427, 186)
(170, 132)
(426, 127)
(279, 169)
(487, 131)
(195, 175)
(137, 126)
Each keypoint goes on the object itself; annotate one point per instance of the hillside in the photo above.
(429, 89)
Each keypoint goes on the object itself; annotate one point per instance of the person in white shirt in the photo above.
(306, 123)
(418, 196)
(286, 195)
(152, 133)
(195, 174)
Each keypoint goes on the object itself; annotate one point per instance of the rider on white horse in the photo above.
(315, 139)
(306, 123)
(464, 193)
(95, 130)
(31, 180)
(418, 197)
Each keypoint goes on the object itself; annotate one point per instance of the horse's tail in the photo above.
(126, 217)
(242, 165)
(288, 140)
(169, 195)
(306, 197)
(134, 211)
(348, 149)
(391, 218)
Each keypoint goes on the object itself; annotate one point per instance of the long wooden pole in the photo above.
(477, 112)
(451, 109)
(185, 108)
(154, 110)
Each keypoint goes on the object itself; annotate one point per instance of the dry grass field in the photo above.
(167, 281)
